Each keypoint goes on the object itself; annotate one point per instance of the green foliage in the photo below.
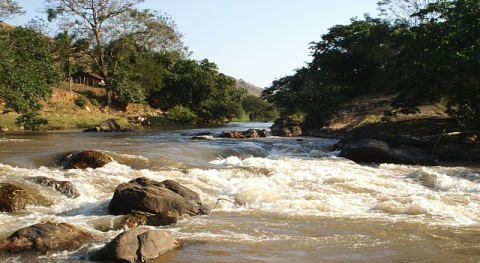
(27, 72)
(434, 57)
(171, 80)
(127, 87)
(439, 60)
(107, 30)
(30, 121)
(81, 101)
(258, 109)
(182, 115)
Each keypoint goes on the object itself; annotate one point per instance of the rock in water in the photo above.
(12, 198)
(286, 127)
(64, 187)
(155, 197)
(143, 218)
(138, 245)
(109, 125)
(45, 237)
(368, 151)
(84, 159)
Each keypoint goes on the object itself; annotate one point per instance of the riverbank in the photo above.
(427, 137)
(80, 109)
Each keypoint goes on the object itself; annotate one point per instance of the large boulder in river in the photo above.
(64, 187)
(155, 197)
(12, 198)
(368, 151)
(286, 127)
(138, 245)
(84, 159)
(45, 237)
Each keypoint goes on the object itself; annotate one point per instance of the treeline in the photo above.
(430, 56)
(138, 54)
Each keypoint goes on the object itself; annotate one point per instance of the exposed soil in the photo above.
(62, 111)
(368, 111)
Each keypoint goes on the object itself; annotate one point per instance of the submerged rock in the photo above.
(45, 237)
(12, 198)
(155, 197)
(84, 159)
(138, 245)
(64, 187)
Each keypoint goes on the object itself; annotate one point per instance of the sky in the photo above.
(258, 41)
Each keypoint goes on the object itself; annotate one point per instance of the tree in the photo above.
(258, 109)
(64, 49)
(9, 8)
(354, 56)
(27, 71)
(97, 23)
(439, 60)
(350, 60)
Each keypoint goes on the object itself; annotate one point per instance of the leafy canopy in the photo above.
(435, 58)
(27, 71)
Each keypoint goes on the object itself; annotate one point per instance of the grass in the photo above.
(7, 121)
(79, 121)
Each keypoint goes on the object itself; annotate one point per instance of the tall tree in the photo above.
(9, 8)
(440, 60)
(64, 50)
(97, 23)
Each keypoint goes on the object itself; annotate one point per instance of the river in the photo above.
(295, 200)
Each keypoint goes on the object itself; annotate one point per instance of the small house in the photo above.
(88, 78)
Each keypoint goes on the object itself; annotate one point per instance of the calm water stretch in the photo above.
(297, 202)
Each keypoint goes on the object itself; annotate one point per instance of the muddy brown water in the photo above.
(272, 199)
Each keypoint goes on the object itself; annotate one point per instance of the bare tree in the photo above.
(401, 11)
(9, 8)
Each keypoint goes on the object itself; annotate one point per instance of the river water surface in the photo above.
(272, 199)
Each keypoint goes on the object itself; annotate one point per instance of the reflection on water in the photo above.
(273, 199)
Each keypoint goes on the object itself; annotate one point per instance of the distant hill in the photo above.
(252, 89)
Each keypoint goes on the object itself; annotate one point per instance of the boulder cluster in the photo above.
(142, 202)
(286, 127)
(248, 134)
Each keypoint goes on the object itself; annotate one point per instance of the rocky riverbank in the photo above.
(428, 137)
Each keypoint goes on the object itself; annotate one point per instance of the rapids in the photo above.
(272, 199)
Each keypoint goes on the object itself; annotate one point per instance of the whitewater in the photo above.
(272, 199)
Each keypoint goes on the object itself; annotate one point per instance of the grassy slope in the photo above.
(62, 112)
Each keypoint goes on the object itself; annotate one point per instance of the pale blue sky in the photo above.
(256, 40)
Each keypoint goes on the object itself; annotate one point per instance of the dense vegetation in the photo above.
(138, 54)
(27, 73)
(430, 56)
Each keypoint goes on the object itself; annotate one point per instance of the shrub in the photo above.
(182, 114)
(81, 101)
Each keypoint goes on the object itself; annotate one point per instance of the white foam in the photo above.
(334, 186)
